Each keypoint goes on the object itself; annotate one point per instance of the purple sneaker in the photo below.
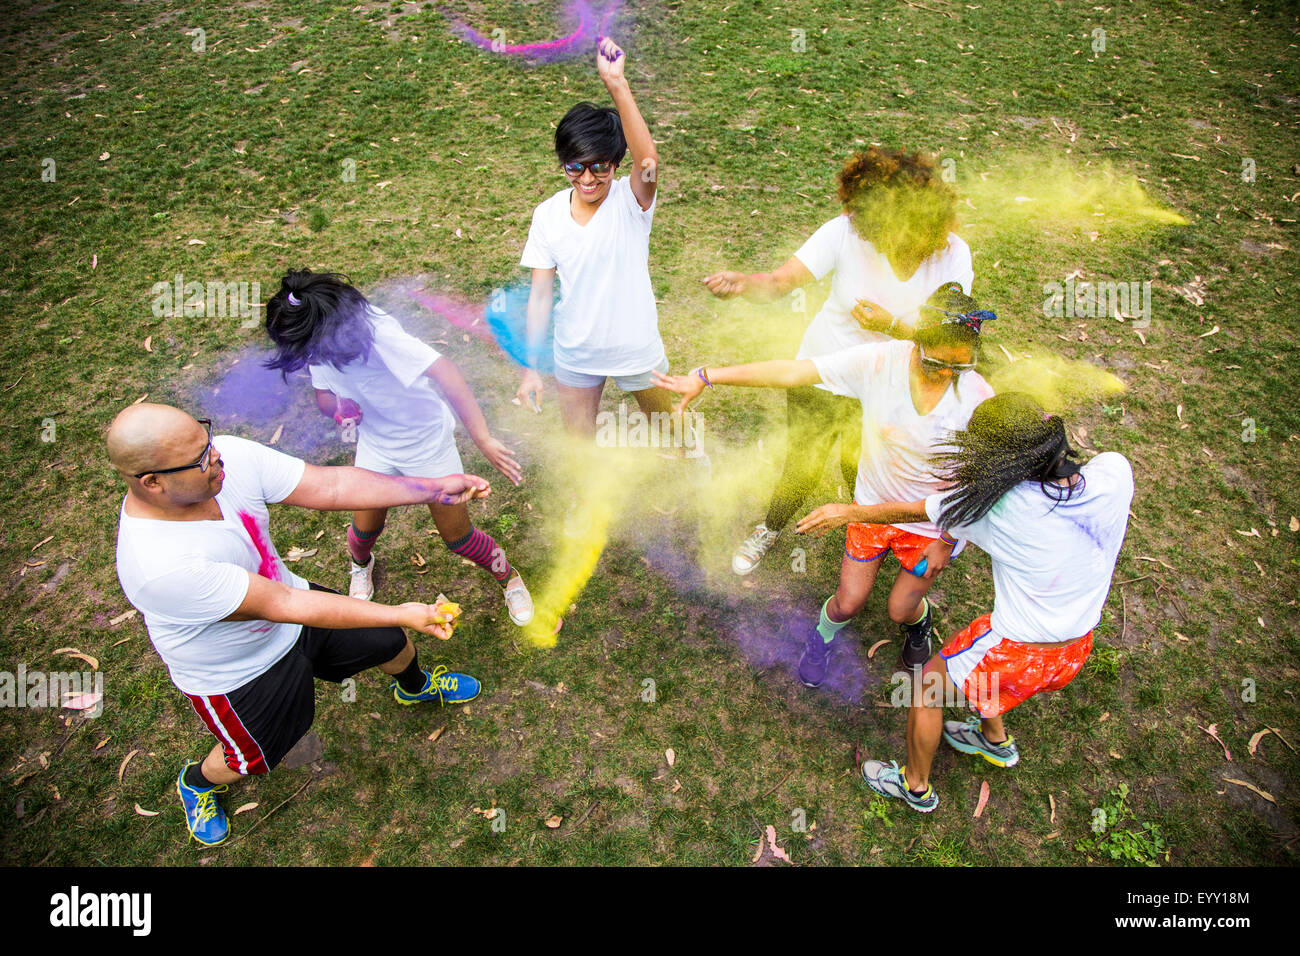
(816, 660)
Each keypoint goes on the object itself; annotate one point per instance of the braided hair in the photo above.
(317, 318)
(1009, 439)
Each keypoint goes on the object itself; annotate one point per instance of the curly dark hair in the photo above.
(898, 202)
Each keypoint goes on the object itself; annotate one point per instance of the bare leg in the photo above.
(401, 662)
(578, 408)
(905, 596)
(215, 770)
(856, 580)
(654, 401)
(452, 521)
(925, 721)
(992, 729)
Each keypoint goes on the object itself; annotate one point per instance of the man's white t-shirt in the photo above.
(861, 272)
(606, 322)
(404, 418)
(1052, 562)
(186, 576)
(897, 443)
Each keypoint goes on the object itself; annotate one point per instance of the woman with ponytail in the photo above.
(1053, 529)
(400, 394)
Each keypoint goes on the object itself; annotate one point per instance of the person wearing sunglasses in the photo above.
(912, 395)
(893, 245)
(242, 636)
(595, 236)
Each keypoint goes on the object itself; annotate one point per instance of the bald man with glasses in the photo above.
(242, 636)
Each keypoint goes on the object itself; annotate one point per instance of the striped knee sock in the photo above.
(482, 549)
(361, 543)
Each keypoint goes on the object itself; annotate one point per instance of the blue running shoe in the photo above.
(816, 660)
(889, 780)
(203, 815)
(444, 687)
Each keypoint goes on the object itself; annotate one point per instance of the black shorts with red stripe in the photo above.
(259, 722)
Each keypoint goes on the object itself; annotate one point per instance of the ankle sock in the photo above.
(828, 628)
(194, 778)
(925, 609)
(412, 679)
(361, 543)
(479, 547)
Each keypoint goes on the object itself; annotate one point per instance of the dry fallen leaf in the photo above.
(984, 798)
(148, 343)
(1051, 800)
(1206, 335)
(875, 647)
(276, 437)
(1255, 739)
(125, 760)
(297, 554)
(124, 616)
(436, 734)
(671, 756)
(319, 534)
(777, 852)
(244, 808)
(93, 662)
(554, 822)
(1250, 786)
(104, 741)
(77, 701)
(1294, 524)
(103, 156)
(48, 539)
(145, 813)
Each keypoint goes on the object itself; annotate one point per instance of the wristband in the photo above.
(943, 536)
(703, 378)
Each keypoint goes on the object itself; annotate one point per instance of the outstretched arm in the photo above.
(834, 515)
(783, 373)
(268, 600)
(446, 375)
(760, 286)
(645, 157)
(341, 488)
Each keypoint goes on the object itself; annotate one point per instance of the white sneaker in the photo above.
(361, 586)
(518, 601)
(752, 550)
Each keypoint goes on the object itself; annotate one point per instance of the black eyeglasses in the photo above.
(597, 169)
(204, 459)
(935, 365)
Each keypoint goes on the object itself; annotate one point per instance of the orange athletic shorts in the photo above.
(866, 542)
(997, 674)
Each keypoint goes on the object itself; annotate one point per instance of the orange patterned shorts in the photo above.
(866, 542)
(996, 674)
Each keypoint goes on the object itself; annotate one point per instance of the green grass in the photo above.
(243, 148)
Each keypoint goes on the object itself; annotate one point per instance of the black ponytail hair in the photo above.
(1009, 439)
(317, 318)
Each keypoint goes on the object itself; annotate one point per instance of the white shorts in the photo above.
(637, 382)
(445, 461)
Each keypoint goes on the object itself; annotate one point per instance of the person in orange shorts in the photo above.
(914, 394)
(1053, 529)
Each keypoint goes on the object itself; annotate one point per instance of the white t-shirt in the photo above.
(606, 322)
(861, 272)
(404, 418)
(1052, 563)
(186, 576)
(897, 443)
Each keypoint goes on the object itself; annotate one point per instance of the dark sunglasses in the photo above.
(935, 365)
(201, 464)
(597, 169)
